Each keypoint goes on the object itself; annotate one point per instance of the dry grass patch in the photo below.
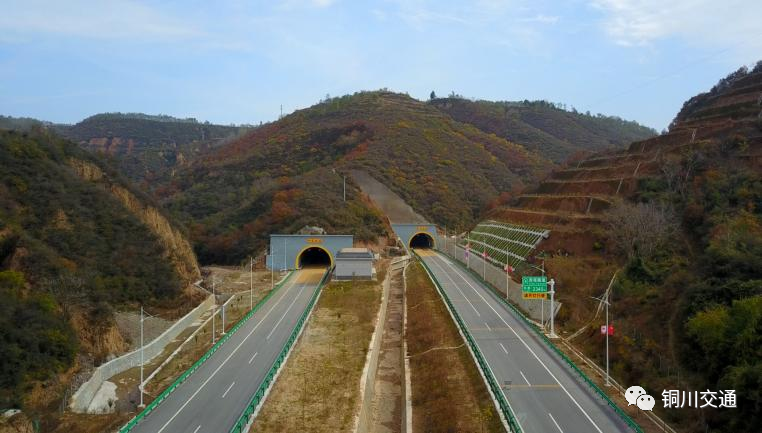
(448, 393)
(319, 388)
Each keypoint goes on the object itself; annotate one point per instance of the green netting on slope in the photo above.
(504, 242)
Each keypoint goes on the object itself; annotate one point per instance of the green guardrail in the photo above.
(497, 391)
(259, 395)
(151, 406)
(626, 418)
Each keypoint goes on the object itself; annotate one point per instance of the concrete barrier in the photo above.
(81, 399)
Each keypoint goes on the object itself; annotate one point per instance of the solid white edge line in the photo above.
(228, 390)
(226, 360)
(253, 356)
(554, 422)
(530, 349)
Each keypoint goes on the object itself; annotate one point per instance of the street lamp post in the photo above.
(605, 301)
(251, 283)
(552, 293)
(214, 308)
(140, 387)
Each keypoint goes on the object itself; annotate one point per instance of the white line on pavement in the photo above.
(504, 349)
(554, 422)
(284, 314)
(456, 286)
(197, 429)
(228, 390)
(487, 325)
(225, 361)
(525, 378)
(253, 356)
(528, 348)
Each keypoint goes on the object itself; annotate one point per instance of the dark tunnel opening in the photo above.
(422, 241)
(314, 256)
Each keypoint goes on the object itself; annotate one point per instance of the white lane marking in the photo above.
(525, 378)
(253, 356)
(228, 390)
(456, 286)
(554, 422)
(487, 325)
(197, 429)
(284, 315)
(225, 361)
(504, 349)
(528, 348)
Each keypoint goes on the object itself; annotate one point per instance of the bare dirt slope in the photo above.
(385, 199)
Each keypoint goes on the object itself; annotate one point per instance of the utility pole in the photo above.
(251, 283)
(552, 293)
(140, 387)
(272, 268)
(468, 250)
(345, 188)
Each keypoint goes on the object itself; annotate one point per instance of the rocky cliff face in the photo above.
(177, 248)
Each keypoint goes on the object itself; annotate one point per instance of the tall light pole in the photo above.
(605, 301)
(214, 308)
(251, 283)
(272, 267)
(345, 187)
(140, 387)
(552, 283)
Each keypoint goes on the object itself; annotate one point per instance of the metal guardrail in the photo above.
(626, 418)
(152, 406)
(259, 395)
(497, 391)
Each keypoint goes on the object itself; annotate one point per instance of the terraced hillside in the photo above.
(699, 188)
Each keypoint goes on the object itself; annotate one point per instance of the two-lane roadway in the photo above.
(546, 395)
(215, 395)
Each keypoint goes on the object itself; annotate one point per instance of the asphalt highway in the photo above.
(213, 397)
(546, 395)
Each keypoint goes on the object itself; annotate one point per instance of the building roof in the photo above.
(355, 253)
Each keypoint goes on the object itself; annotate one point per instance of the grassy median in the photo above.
(448, 394)
(319, 388)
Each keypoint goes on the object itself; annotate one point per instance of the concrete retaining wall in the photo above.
(84, 395)
(497, 278)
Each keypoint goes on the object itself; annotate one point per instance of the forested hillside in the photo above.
(677, 221)
(146, 145)
(545, 128)
(281, 176)
(76, 242)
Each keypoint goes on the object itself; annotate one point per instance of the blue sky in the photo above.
(239, 61)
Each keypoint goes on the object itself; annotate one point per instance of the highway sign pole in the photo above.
(552, 293)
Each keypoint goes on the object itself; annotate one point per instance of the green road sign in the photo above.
(534, 284)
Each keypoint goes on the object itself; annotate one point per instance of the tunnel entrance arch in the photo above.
(314, 256)
(421, 240)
